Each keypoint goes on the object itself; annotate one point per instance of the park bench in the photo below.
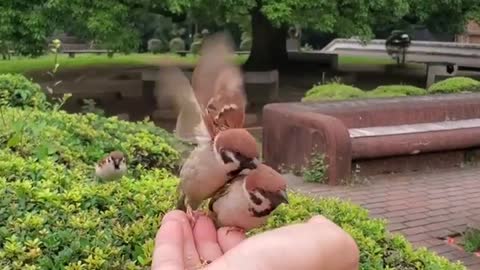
(375, 136)
(185, 52)
(72, 53)
(440, 70)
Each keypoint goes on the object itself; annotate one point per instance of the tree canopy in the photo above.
(117, 24)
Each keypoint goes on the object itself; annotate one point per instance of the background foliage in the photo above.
(339, 91)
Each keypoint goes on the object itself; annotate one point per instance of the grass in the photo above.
(25, 65)
(364, 60)
(471, 240)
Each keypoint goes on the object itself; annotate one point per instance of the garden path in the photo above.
(426, 207)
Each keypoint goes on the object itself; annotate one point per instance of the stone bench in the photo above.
(72, 53)
(374, 136)
(185, 52)
(268, 82)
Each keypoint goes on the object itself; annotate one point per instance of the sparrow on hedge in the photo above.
(224, 148)
(246, 201)
(111, 167)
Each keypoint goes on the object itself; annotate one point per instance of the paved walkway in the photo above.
(422, 206)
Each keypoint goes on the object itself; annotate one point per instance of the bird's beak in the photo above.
(284, 196)
(116, 164)
(254, 163)
(251, 164)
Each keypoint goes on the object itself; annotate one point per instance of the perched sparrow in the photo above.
(247, 200)
(111, 167)
(224, 148)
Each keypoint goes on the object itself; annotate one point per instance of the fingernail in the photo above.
(318, 219)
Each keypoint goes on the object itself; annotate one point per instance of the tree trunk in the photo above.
(269, 49)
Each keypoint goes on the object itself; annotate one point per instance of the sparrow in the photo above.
(223, 147)
(246, 201)
(111, 167)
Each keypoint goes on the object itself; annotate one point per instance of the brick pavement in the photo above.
(422, 206)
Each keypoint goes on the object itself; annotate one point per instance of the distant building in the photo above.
(471, 34)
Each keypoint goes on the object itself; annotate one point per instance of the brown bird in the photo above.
(111, 167)
(246, 201)
(224, 148)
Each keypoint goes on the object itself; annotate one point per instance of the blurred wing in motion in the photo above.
(218, 85)
(176, 86)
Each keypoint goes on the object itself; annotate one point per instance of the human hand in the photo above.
(316, 244)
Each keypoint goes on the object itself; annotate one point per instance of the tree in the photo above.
(114, 24)
(25, 25)
(270, 19)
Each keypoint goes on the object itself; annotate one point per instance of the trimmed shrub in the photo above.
(196, 46)
(205, 33)
(246, 44)
(177, 44)
(155, 46)
(379, 249)
(54, 215)
(18, 91)
(455, 85)
(333, 91)
(396, 91)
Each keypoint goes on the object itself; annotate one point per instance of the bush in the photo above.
(333, 91)
(177, 44)
(196, 46)
(18, 91)
(455, 85)
(84, 139)
(246, 44)
(396, 91)
(53, 214)
(155, 45)
(378, 248)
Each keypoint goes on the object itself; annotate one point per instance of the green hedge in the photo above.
(379, 249)
(18, 91)
(53, 213)
(333, 91)
(396, 91)
(338, 91)
(455, 85)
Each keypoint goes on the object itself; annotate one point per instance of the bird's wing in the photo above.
(218, 85)
(190, 126)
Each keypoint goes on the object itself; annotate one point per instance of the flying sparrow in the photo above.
(224, 148)
(111, 167)
(246, 201)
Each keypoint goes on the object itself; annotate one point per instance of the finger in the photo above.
(205, 235)
(229, 239)
(190, 254)
(168, 252)
(311, 245)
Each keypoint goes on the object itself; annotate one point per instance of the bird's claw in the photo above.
(193, 216)
(203, 263)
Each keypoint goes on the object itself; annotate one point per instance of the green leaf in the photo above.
(14, 140)
(42, 151)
